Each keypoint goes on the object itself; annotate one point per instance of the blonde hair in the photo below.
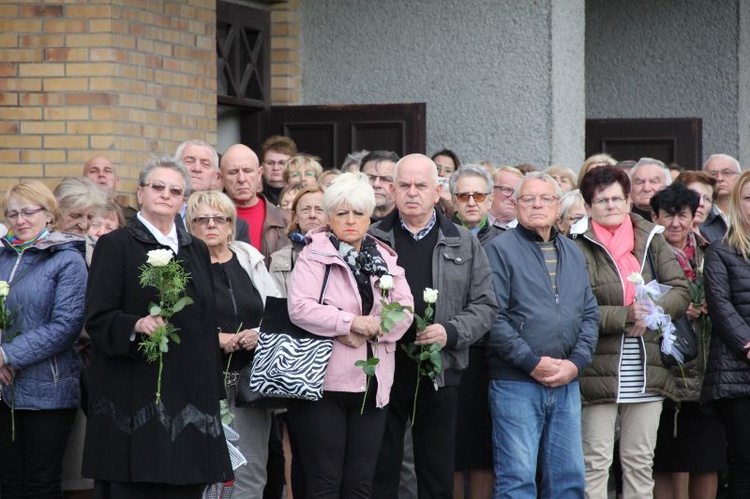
(738, 235)
(37, 193)
(563, 171)
(213, 199)
(593, 160)
(302, 162)
(310, 189)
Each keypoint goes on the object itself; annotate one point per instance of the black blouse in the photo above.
(238, 303)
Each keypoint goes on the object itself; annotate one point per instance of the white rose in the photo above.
(635, 278)
(430, 295)
(386, 282)
(159, 258)
(4, 288)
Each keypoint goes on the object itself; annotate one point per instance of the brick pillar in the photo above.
(119, 78)
(286, 67)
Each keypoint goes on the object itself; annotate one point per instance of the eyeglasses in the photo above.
(574, 220)
(159, 187)
(504, 189)
(723, 173)
(26, 212)
(478, 196)
(617, 200)
(218, 220)
(545, 200)
(382, 178)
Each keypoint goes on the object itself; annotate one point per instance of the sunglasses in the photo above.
(159, 187)
(478, 196)
(218, 220)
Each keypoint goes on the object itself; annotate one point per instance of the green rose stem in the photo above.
(421, 326)
(164, 273)
(390, 314)
(226, 415)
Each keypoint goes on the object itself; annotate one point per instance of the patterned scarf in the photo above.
(686, 257)
(19, 245)
(368, 262)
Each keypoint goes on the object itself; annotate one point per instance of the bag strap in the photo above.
(325, 281)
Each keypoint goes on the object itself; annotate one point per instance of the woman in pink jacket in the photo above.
(336, 441)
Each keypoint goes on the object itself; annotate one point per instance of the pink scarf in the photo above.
(620, 245)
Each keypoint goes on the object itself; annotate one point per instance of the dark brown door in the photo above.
(678, 140)
(332, 132)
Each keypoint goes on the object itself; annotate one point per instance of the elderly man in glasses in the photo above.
(544, 335)
(726, 170)
(503, 209)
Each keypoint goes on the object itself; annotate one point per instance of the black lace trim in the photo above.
(208, 424)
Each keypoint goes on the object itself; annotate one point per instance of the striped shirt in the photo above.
(632, 379)
(549, 252)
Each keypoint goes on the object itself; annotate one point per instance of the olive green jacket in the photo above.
(600, 379)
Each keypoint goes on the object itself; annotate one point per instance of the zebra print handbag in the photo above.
(289, 361)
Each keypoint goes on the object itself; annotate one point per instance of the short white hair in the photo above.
(352, 188)
(470, 170)
(726, 157)
(546, 177)
(433, 176)
(650, 161)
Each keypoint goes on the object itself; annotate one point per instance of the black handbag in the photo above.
(686, 340)
(302, 356)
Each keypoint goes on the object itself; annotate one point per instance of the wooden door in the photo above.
(674, 140)
(331, 132)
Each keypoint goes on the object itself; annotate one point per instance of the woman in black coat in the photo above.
(727, 378)
(137, 447)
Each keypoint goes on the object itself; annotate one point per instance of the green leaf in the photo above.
(424, 355)
(369, 370)
(174, 338)
(360, 363)
(154, 309)
(181, 303)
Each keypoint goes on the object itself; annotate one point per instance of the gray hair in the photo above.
(199, 143)
(433, 176)
(569, 200)
(352, 188)
(165, 161)
(354, 158)
(470, 170)
(537, 175)
(80, 193)
(724, 156)
(651, 161)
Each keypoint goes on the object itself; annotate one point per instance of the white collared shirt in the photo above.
(168, 240)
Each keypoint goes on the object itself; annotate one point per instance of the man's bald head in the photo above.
(242, 175)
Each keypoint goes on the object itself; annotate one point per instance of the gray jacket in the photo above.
(536, 319)
(466, 305)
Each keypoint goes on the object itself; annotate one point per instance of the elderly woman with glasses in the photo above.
(241, 284)
(626, 376)
(140, 444)
(471, 192)
(42, 315)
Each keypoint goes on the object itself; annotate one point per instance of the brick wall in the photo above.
(119, 78)
(286, 72)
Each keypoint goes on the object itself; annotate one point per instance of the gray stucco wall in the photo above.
(485, 68)
(666, 59)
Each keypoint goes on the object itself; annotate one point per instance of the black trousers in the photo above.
(31, 465)
(337, 448)
(433, 435)
(734, 414)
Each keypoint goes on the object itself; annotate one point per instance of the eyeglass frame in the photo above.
(174, 191)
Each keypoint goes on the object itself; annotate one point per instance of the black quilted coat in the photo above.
(727, 279)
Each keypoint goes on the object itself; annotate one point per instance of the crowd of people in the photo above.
(548, 379)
